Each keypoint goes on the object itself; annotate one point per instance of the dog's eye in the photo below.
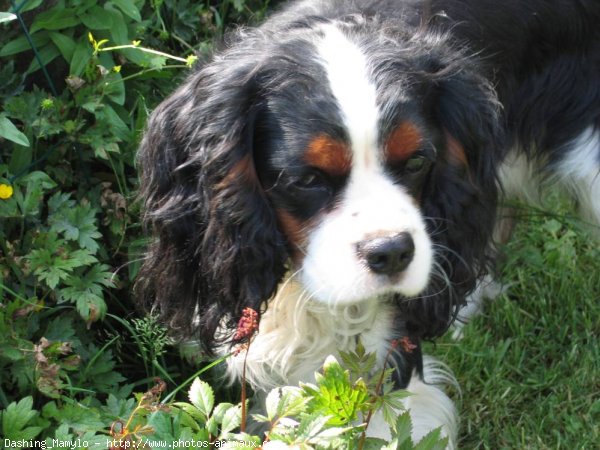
(416, 164)
(310, 180)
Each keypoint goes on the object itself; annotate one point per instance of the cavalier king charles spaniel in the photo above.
(338, 170)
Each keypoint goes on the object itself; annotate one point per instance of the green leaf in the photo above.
(336, 396)
(118, 32)
(55, 19)
(285, 401)
(37, 183)
(7, 17)
(60, 329)
(79, 417)
(379, 444)
(31, 4)
(220, 410)
(239, 5)
(78, 224)
(47, 54)
(97, 18)
(119, 407)
(10, 132)
(403, 428)
(16, 416)
(81, 56)
(109, 118)
(163, 430)
(39, 178)
(10, 353)
(432, 441)
(202, 396)
(21, 44)
(129, 9)
(64, 43)
(114, 88)
(54, 262)
(313, 426)
(231, 420)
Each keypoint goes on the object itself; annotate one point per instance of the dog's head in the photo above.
(359, 158)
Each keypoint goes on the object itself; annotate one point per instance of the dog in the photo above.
(339, 168)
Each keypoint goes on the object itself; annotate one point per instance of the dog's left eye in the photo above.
(416, 164)
(310, 180)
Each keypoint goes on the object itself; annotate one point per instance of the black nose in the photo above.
(387, 255)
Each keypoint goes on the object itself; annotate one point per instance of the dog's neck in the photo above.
(297, 333)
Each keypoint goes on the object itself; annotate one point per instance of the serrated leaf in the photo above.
(119, 407)
(379, 444)
(163, 429)
(336, 395)
(52, 268)
(285, 401)
(311, 426)
(220, 411)
(15, 418)
(202, 396)
(91, 307)
(78, 224)
(432, 441)
(191, 411)
(10, 132)
(231, 420)
(260, 418)
(403, 428)
(212, 426)
(396, 398)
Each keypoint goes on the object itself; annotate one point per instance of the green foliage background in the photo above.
(71, 115)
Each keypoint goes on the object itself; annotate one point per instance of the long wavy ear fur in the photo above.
(216, 247)
(461, 196)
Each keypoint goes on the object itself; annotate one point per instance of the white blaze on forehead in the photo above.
(347, 72)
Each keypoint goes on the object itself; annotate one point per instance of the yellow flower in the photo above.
(6, 191)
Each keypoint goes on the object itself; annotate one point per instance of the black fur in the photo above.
(488, 74)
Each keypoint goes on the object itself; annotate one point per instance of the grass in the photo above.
(529, 366)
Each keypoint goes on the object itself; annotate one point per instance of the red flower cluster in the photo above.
(247, 325)
(405, 343)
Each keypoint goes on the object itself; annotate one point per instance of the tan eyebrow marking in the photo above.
(403, 142)
(329, 155)
(295, 231)
(456, 152)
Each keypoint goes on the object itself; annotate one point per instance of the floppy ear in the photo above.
(216, 247)
(461, 196)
